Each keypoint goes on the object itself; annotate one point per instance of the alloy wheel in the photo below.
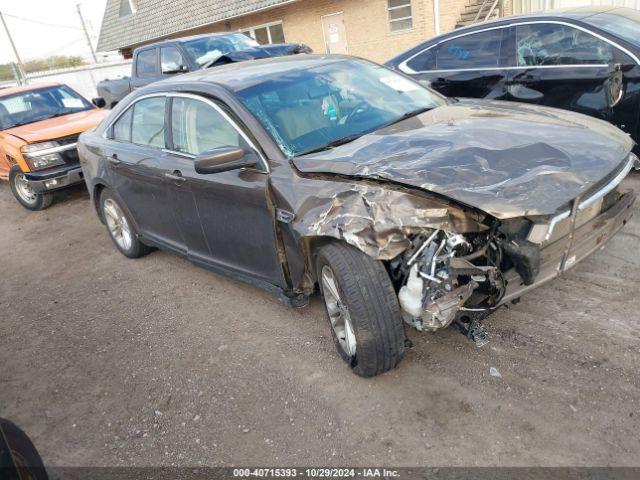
(117, 224)
(25, 191)
(338, 312)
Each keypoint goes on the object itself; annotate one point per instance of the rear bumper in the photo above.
(570, 250)
(53, 180)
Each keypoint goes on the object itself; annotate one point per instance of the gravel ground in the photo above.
(109, 361)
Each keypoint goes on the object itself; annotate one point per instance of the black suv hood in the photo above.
(507, 159)
(263, 51)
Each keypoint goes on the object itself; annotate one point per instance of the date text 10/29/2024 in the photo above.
(315, 473)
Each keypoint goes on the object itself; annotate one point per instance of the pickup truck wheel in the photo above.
(24, 193)
(120, 227)
(362, 308)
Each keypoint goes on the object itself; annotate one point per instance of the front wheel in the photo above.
(362, 307)
(25, 194)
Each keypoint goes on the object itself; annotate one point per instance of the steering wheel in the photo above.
(357, 108)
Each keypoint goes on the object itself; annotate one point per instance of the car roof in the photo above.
(239, 75)
(26, 88)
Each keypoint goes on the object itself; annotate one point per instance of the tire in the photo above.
(120, 227)
(24, 457)
(371, 305)
(24, 194)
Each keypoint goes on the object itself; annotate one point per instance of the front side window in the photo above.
(146, 63)
(147, 124)
(170, 60)
(400, 17)
(197, 127)
(207, 50)
(40, 104)
(310, 109)
(477, 50)
(542, 44)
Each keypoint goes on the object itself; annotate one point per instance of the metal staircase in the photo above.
(478, 11)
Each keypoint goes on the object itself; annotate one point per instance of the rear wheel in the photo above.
(25, 194)
(362, 308)
(120, 227)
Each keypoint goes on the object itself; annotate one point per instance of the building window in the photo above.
(265, 34)
(399, 15)
(127, 8)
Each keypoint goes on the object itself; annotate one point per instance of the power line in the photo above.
(42, 23)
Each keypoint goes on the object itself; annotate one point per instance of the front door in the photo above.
(564, 67)
(224, 217)
(335, 33)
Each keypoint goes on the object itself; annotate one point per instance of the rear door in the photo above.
(563, 66)
(468, 65)
(138, 169)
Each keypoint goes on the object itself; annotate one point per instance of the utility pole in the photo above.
(15, 50)
(86, 34)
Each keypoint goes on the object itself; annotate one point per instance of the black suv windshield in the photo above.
(621, 22)
(311, 109)
(40, 104)
(206, 50)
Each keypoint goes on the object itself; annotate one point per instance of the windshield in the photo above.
(208, 49)
(41, 104)
(623, 23)
(307, 110)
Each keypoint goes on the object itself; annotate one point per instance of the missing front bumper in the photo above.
(563, 254)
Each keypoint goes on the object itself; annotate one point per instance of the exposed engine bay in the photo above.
(444, 274)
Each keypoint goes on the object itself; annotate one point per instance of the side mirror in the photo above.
(99, 102)
(176, 69)
(223, 160)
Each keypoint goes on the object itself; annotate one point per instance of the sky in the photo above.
(48, 27)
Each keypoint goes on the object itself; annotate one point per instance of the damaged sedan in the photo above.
(401, 206)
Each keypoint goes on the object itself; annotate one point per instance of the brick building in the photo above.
(374, 29)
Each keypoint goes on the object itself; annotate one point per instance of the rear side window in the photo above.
(543, 44)
(477, 50)
(197, 127)
(147, 127)
(425, 60)
(122, 128)
(146, 63)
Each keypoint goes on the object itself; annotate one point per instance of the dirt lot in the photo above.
(110, 361)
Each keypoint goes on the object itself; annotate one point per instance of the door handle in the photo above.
(175, 176)
(114, 160)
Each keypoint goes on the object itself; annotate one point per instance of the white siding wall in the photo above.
(83, 79)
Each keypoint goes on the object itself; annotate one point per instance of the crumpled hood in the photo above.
(504, 158)
(263, 51)
(58, 127)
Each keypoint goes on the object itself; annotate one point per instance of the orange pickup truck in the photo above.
(39, 129)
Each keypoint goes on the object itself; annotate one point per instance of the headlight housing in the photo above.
(42, 155)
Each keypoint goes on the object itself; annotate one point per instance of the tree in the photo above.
(50, 63)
